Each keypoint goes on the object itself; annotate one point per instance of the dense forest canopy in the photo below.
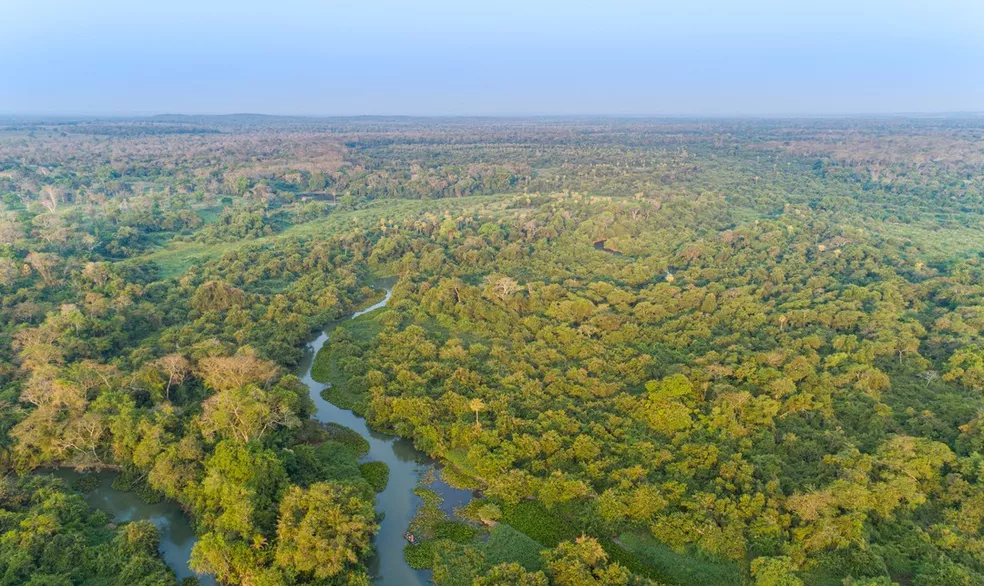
(660, 351)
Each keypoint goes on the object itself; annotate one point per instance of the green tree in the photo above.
(583, 562)
(775, 571)
(324, 529)
(511, 574)
(240, 490)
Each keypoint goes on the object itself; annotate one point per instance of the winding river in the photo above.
(397, 503)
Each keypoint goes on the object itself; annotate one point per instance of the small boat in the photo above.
(409, 537)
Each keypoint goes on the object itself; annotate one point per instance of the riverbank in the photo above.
(177, 536)
(397, 504)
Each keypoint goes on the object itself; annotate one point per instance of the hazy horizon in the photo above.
(763, 58)
(501, 116)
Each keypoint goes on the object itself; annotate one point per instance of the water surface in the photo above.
(397, 502)
(173, 525)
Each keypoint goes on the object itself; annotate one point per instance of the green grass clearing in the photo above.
(176, 257)
(506, 545)
(685, 569)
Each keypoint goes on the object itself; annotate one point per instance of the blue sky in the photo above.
(434, 57)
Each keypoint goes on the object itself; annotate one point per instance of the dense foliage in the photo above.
(669, 352)
(52, 537)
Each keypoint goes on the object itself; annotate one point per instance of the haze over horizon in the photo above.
(299, 57)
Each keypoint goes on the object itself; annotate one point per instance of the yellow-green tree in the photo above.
(324, 529)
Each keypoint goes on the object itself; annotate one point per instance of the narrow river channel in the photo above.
(397, 503)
